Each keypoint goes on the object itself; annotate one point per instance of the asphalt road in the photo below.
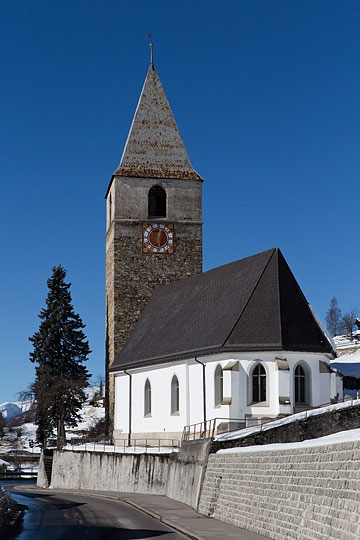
(52, 516)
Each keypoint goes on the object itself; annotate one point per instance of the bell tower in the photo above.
(153, 219)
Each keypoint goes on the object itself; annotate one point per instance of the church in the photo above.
(184, 346)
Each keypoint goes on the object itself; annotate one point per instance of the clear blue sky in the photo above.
(266, 96)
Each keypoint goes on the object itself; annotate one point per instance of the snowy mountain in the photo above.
(13, 409)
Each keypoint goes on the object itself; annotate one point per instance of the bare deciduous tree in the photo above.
(348, 321)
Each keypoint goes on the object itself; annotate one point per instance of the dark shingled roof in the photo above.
(254, 304)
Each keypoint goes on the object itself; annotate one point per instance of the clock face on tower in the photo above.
(158, 238)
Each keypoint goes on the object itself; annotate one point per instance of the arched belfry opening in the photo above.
(157, 202)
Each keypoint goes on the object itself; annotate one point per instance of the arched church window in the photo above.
(175, 395)
(157, 202)
(147, 398)
(300, 385)
(259, 384)
(218, 385)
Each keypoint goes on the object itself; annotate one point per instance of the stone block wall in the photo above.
(304, 493)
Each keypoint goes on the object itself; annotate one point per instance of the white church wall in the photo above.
(160, 419)
(319, 387)
(196, 403)
(212, 410)
(121, 414)
(284, 382)
(325, 388)
(271, 406)
(237, 391)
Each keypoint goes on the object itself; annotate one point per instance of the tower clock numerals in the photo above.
(158, 238)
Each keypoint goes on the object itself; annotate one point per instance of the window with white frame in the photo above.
(302, 385)
(258, 382)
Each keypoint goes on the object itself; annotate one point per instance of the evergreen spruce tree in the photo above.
(59, 350)
(333, 318)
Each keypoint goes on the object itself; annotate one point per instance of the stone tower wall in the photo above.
(131, 275)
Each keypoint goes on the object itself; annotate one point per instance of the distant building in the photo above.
(183, 346)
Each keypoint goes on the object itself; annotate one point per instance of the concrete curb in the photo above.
(168, 522)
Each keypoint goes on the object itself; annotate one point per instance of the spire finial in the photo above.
(151, 51)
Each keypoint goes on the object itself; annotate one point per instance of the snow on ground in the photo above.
(89, 417)
(335, 438)
(91, 392)
(21, 438)
(344, 341)
(101, 447)
(349, 358)
(286, 420)
(2, 462)
(28, 438)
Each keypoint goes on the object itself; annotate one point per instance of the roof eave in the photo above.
(244, 347)
(140, 174)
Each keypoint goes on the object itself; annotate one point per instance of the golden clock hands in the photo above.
(159, 238)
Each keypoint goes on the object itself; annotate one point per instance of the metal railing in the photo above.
(18, 474)
(102, 444)
(219, 426)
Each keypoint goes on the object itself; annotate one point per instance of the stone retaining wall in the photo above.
(305, 493)
(312, 427)
(178, 476)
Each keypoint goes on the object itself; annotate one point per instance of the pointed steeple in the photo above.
(154, 147)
